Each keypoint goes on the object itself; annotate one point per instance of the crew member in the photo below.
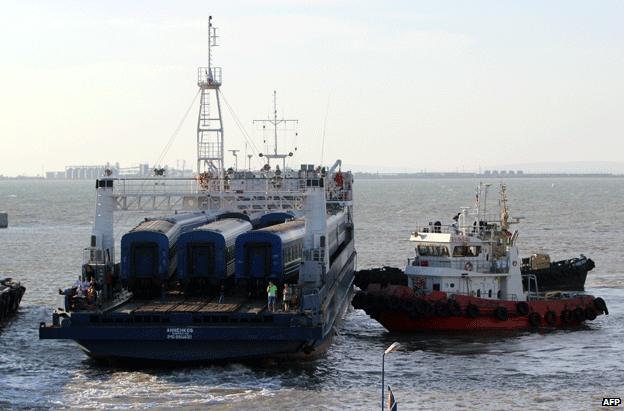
(272, 293)
(286, 297)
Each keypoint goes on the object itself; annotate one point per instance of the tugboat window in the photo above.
(466, 251)
(479, 292)
(436, 287)
(432, 251)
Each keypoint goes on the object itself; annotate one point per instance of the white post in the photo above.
(315, 239)
(103, 227)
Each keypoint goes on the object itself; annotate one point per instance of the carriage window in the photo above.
(467, 251)
(432, 251)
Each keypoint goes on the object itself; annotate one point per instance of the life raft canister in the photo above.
(468, 266)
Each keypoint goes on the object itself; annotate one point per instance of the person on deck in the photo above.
(222, 294)
(286, 298)
(272, 293)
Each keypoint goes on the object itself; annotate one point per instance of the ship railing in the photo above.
(488, 267)
(455, 228)
(314, 254)
(207, 77)
(92, 255)
(191, 194)
(501, 296)
(531, 282)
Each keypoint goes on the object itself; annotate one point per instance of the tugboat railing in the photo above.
(477, 266)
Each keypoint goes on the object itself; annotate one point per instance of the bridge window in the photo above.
(432, 251)
(466, 251)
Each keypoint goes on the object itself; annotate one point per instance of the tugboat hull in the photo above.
(398, 310)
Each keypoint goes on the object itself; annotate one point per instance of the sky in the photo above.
(392, 86)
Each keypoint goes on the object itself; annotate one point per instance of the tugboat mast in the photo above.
(275, 122)
(210, 162)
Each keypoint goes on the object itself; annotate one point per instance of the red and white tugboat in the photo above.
(466, 276)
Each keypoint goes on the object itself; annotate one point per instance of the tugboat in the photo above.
(11, 293)
(466, 276)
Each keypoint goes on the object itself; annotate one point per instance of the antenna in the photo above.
(235, 158)
(275, 123)
(210, 163)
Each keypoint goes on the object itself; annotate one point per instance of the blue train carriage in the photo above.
(272, 253)
(206, 255)
(148, 251)
(336, 233)
(273, 218)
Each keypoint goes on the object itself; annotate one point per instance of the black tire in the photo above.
(423, 307)
(601, 305)
(590, 313)
(579, 314)
(394, 304)
(522, 308)
(379, 302)
(566, 317)
(413, 314)
(407, 305)
(472, 311)
(440, 308)
(551, 318)
(454, 308)
(501, 313)
(358, 301)
(535, 319)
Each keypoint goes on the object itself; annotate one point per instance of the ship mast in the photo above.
(210, 162)
(275, 123)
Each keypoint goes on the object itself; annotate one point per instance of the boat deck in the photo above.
(178, 304)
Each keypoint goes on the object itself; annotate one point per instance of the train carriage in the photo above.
(206, 254)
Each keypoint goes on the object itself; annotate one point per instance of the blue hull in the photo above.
(186, 337)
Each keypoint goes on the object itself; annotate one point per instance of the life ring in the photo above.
(550, 317)
(472, 311)
(515, 263)
(501, 313)
(590, 313)
(522, 308)
(468, 266)
(535, 319)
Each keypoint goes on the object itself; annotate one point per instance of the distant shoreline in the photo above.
(379, 176)
(477, 175)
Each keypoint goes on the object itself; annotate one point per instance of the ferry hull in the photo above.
(185, 342)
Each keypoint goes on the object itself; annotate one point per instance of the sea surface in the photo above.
(50, 223)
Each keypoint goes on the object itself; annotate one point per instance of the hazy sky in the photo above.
(436, 85)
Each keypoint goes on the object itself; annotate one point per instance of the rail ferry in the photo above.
(466, 276)
(192, 285)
